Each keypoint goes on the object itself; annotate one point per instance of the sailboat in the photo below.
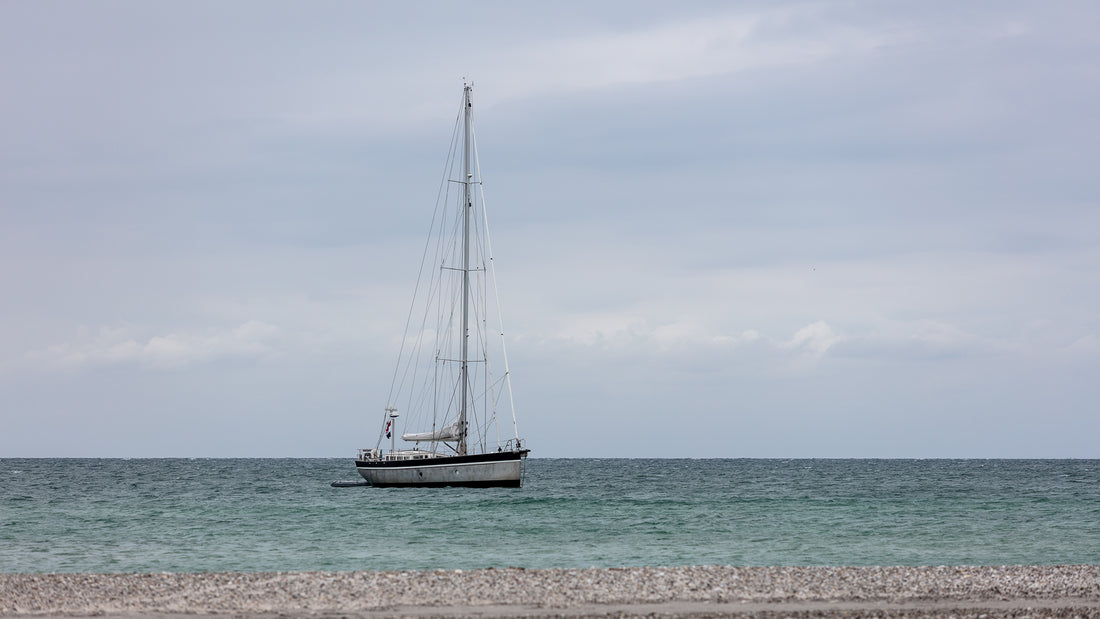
(452, 384)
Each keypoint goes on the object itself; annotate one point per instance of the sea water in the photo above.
(180, 515)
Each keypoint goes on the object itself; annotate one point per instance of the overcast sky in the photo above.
(810, 229)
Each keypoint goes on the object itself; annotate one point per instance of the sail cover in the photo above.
(450, 433)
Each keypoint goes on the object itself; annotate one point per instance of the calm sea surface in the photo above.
(106, 515)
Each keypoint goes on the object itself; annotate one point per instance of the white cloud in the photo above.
(919, 339)
(710, 46)
(688, 342)
(1086, 345)
(825, 193)
(813, 339)
(118, 345)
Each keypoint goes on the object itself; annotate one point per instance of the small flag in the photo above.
(388, 424)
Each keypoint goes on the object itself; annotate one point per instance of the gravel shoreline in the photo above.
(1071, 591)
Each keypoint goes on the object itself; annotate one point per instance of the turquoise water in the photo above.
(109, 515)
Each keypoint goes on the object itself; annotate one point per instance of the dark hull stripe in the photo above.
(502, 456)
(469, 484)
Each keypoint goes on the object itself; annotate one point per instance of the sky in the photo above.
(728, 229)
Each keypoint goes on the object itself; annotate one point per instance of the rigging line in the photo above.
(423, 260)
(480, 431)
(487, 369)
(479, 324)
(494, 395)
(413, 364)
(496, 292)
(419, 359)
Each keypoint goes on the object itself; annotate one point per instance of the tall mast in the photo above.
(467, 207)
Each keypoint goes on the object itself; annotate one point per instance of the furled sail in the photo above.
(450, 433)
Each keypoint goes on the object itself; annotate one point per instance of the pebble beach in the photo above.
(1013, 591)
